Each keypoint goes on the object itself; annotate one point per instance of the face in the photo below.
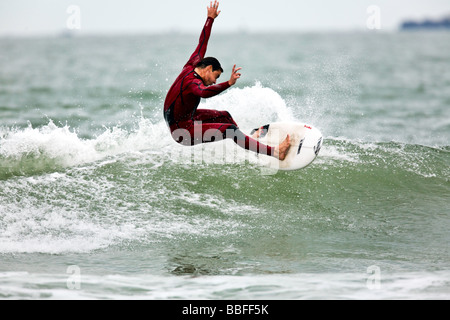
(210, 76)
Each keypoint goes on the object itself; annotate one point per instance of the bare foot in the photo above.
(257, 134)
(282, 149)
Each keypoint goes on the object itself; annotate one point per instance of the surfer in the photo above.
(189, 125)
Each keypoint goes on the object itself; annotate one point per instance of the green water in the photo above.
(90, 177)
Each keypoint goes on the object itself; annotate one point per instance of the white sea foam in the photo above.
(251, 107)
(54, 214)
(61, 146)
(404, 286)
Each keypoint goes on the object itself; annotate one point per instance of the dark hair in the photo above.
(210, 61)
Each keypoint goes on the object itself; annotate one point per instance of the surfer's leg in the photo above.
(224, 122)
(213, 116)
(246, 142)
(200, 132)
(204, 129)
(195, 131)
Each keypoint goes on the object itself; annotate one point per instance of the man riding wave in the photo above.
(189, 125)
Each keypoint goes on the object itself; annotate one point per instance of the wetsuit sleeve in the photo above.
(199, 89)
(200, 51)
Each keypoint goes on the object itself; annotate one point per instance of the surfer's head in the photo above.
(209, 69)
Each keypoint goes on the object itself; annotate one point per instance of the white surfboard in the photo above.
(306, 142)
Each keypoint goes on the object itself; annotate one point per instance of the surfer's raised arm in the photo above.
(200, 51)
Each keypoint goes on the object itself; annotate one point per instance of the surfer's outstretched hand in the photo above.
(212, 9)
(234, 75)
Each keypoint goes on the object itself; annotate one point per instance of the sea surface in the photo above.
(97, 201)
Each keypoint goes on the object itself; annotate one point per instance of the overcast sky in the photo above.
(33, 17)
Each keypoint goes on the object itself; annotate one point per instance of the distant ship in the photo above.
(443, 24)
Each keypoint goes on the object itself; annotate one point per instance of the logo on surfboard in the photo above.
(318, 146)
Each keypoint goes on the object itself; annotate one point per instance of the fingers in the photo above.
(213, 9)
(235, 75)
(215, 5)
(234, 69)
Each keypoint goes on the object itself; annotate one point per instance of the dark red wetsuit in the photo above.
(190, 126)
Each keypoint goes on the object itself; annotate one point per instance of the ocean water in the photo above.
(97, 201)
